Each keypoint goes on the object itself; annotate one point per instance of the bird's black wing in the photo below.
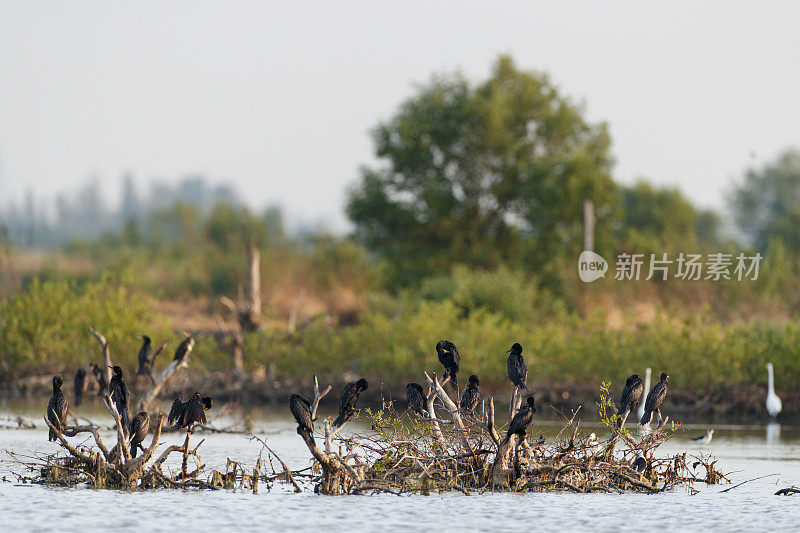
(517, 371)
(635, 395)
(415, 398)
(196, 412)
(176, 412)
(348, 399)
(301, 409)
(126, 393)
(469, 399)
(521, 420)
(456, 356)
(655, 397)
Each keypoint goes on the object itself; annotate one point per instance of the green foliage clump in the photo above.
(46, 327)
(698, 353)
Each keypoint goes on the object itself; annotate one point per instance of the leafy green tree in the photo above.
(482, 175)
(660, 219)
(766, 203)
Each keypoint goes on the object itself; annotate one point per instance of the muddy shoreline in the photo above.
(738, 405)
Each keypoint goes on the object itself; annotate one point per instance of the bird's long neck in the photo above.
(770, 380)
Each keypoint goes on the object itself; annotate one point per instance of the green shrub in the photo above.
(46, 327)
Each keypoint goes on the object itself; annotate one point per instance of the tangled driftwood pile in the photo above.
(460, 452)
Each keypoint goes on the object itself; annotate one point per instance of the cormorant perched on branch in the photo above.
(57, 408)
(121, 396)
(184, 348)
(194, 412)
(140, 425)
(100, 376)
(655, 398)
(80, 385)
(631, 395)
(521, 420)
(178, 407)
(348, 401)
(471, 395)
(415, 396)
(450, 359)
(301, 409)
(145, 357)
(517, 370)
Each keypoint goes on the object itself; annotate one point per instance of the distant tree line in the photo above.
(167, 213)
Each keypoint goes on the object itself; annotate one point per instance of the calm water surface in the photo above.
(747, 451)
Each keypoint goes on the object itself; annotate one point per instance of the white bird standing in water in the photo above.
(773, 402)
(640, 412)
(705, 439)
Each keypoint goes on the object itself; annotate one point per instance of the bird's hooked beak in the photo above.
(509, 350)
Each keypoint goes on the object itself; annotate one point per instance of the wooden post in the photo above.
(588, 225)
(253, 290)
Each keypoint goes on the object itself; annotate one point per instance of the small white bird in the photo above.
(594, 445)
(773, 402)
(705, 439)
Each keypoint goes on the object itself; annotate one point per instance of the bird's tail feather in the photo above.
(646, 417)
(340, 420)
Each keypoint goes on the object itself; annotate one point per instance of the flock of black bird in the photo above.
(182, 414)
(470, 396)
(186, 414)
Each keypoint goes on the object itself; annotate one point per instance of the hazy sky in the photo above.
(278, 98)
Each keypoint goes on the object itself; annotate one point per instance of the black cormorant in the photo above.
(121, 397)
(177, 409)
(348, 401)
(100, 376)
(655, 398)
(184, 348)
(194, 413)
(631, 395)
(301, 409)
(517, 370)
(140, 425)
(450, 359)
(57, 408)
(415, 396)
(80, 385)
(521, 421)
(471, 396)
(145, 357)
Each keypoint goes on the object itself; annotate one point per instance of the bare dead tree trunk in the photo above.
(247, 313)
(106, 352)
(253, 292)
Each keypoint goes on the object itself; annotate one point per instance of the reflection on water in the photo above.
(747, 451)
(773, 432)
